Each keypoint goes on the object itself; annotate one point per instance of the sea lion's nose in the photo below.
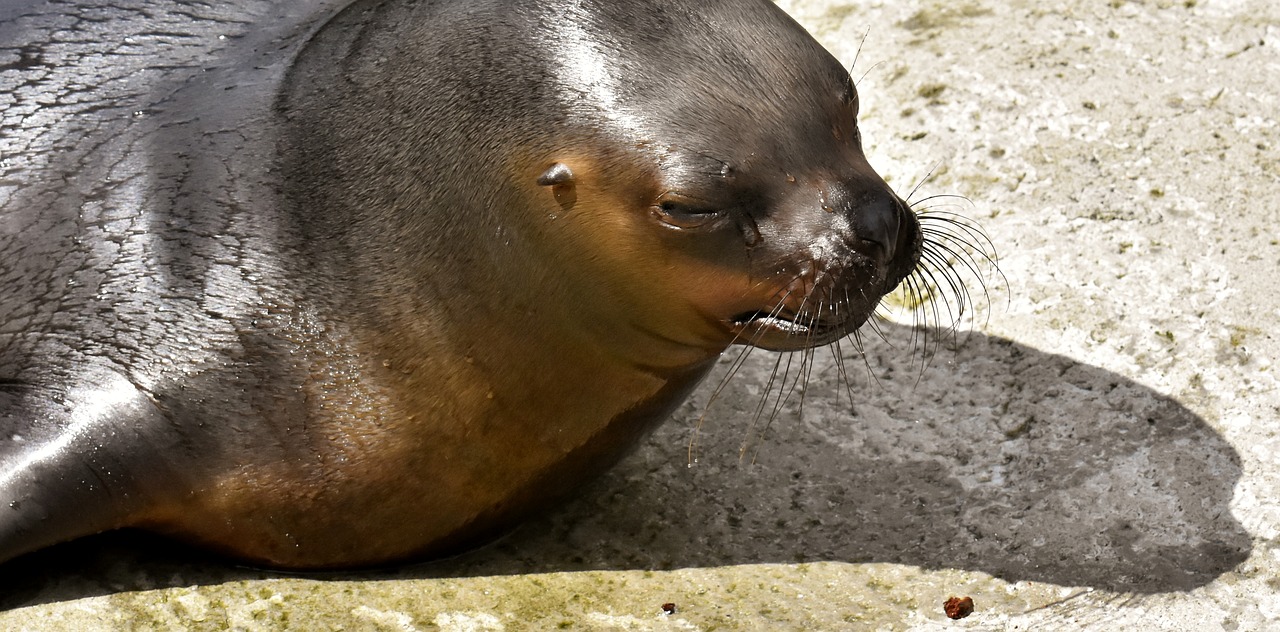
(876, 215)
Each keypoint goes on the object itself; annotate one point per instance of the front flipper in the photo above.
(79, 454)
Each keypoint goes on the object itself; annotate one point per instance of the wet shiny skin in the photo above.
(297, 286)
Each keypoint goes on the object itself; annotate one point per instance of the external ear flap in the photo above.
(557, 174)
(560, 178)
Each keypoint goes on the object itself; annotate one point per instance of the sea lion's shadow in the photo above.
(996, 458)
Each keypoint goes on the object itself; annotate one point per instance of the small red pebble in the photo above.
(958, 607)
(669, 608)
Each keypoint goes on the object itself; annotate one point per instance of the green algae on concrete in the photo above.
(819, 596)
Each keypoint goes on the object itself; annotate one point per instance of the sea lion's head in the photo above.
(658, 179)
(722, 180)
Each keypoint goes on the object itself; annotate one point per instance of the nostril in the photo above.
(877, 219)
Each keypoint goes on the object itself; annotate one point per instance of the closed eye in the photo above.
(680, 211)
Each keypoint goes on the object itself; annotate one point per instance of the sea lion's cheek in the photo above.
(627, 252)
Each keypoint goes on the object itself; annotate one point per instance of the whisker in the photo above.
(866, 362)
(858, 53)
(923, 180)
(764, 400)
(734, 367)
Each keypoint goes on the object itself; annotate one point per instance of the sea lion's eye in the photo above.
(676, 208)
(680, 211)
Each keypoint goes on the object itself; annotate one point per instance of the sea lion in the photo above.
(324, 286)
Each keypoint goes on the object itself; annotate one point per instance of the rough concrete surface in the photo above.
(1096, 450)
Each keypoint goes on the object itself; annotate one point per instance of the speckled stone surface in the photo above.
(1096, 450)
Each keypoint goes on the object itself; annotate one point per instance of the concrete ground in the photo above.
(1098, 450)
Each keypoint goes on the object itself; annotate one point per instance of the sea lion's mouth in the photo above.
(788, 332)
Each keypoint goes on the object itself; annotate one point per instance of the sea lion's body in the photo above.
(323, 286)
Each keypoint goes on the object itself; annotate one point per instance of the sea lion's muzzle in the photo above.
(827, 272)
